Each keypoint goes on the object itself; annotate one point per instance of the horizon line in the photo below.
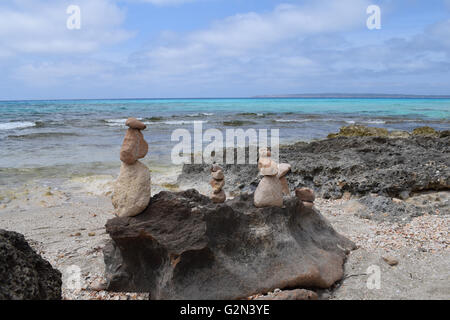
(266, 96)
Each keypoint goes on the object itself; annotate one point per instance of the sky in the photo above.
(221, 48)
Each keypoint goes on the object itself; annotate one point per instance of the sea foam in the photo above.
(16, 125)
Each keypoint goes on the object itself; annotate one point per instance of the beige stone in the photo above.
(264, 153)
(267, 167)
(305, 194)
(134, 147)
(142, 146)
(215, 168)
(132, 190)
(134, 123)
(308, 204)
(269, 193)
(284, 186)
(217, 175)
(217, 185)
(283, 169)
(218, 197)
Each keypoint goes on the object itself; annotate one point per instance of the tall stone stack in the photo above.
(132, 189)
(217, 182)
(269, 192)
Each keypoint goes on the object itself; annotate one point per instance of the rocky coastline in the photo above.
(386, 194)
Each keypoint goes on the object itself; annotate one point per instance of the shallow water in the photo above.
(60, 139)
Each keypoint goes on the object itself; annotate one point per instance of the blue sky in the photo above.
(222, 48)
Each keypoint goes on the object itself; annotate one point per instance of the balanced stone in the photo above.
(305, 194)
(134, 123)
(219, 197)
(217, 182)
(264, 153)
(267, 167)
(132, 190)
(217, 175)
(269, 193)
(283, 169)
(134, 146)
(217, 185)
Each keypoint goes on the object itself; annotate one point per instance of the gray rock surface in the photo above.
(358, 165)
(24, 275)
(185, 247)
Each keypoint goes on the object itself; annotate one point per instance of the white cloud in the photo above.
(293, 48)
(253, 42)
(166, 2)
(40, 26)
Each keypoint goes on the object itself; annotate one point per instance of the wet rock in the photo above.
(425, 131)
(226, 251)
(24, 274)
(356, 130)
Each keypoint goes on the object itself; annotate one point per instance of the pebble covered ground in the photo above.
(428, 233)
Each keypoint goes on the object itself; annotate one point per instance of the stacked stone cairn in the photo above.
(132, 189)
(217, 183)
(306, 196)
(269, 192)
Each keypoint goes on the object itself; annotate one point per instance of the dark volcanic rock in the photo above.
(185, 247)
(381, 208)
(24, 275)
(359, 165)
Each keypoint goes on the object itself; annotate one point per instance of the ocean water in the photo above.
(56, 139)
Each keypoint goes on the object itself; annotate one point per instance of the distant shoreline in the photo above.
(281, 96)
(353, 96)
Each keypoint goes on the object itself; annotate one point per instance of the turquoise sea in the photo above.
(84, 136)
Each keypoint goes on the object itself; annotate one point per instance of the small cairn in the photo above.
(283, 170)
(269, 191)
(306, 195)
(217, 183)
(132, 189)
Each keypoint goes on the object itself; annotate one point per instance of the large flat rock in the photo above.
(185, 247)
